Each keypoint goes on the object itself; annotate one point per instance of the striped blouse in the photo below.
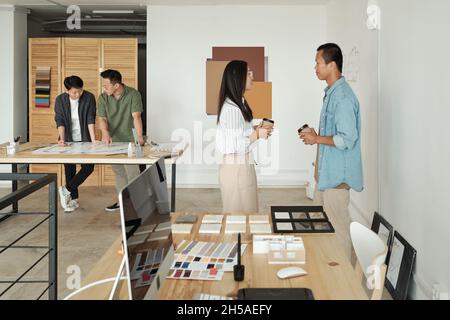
(233, 132)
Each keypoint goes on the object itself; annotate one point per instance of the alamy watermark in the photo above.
(73, 22)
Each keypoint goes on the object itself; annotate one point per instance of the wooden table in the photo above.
(25, 156)
(330, 273)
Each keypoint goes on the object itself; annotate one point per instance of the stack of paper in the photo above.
(232, 228)
(260, 228)
(213, 228)
(181, 228)
(259, 224)
(260, 218)
(212, 218)
(236, 219)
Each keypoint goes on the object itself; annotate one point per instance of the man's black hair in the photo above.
(113, 75)
(331, 52)
(73, 82)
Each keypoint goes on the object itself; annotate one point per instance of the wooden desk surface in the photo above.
(25, 155)
(330, 273)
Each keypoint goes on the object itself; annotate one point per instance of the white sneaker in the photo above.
(64, 197)
(74, 203)
(69, 208)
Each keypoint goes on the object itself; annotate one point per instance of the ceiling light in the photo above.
(112, 11)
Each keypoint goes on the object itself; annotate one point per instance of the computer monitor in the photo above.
(146, 232)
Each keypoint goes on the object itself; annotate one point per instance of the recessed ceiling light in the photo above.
(112, 11)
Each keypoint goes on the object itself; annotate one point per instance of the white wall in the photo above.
(20, 74)
(13, 82)
(346, 26)
(7, 67)
(414, 136)
(180, 39)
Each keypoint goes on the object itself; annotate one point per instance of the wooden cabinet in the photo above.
(86, 58)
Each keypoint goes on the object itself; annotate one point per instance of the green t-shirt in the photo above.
(119, 113)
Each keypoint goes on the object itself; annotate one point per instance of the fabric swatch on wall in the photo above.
(42, 90)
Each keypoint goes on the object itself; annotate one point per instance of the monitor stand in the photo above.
(120, 277)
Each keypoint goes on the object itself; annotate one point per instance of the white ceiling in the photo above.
(164, 2)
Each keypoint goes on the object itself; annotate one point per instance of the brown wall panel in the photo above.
(260, 99)
(253, 55)
(214, 73)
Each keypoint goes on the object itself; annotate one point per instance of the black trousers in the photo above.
(74, 179)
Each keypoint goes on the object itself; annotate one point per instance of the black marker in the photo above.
(239, 269)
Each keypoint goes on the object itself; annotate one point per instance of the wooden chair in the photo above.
(371, 255)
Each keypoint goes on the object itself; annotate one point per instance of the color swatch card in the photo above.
(159, 235)
(212, 218)
(260, 218)
(184, 274)
(135, 240)
(282, 215)
(236, 219)
(197, 260)
(210, 228)
(232, 228)
(164, 226)
(202, 256)
(144, 229)
(145, 267)
(300, 219)
(181, 228)
(260, 228)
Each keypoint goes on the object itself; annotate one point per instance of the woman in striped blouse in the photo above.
(235, 139)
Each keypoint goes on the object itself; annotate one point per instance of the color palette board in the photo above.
(300, 219)
(42, 87)
(145, 267)
(205, 260)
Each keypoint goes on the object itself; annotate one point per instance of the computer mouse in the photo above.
(291, 272)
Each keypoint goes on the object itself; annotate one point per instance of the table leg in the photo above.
(174, 186)
(14, 188)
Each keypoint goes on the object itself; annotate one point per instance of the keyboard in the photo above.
(206, 296)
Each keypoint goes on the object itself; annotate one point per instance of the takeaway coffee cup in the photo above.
(305, 128)
(267, 123)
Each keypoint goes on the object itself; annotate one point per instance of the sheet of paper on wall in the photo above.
(395, 262)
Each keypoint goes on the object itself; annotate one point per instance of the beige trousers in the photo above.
(335, 202)
(238, 186)
(124, 174)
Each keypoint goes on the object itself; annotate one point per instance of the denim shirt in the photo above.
(340, 118)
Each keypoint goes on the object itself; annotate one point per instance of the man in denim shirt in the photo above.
(338, 164)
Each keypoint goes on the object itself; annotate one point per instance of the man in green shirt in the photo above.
(119, 110)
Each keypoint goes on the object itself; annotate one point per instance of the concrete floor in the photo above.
(86, 234)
